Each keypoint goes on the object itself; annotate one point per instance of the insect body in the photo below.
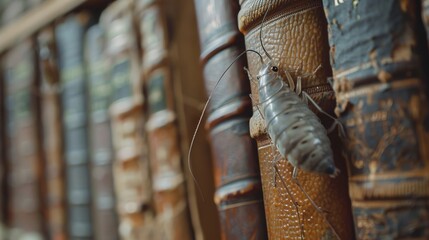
(294, 129)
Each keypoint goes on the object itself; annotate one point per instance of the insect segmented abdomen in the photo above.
(294, 129)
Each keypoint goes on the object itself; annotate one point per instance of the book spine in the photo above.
(25, 185)
(105, 219)
(239, 190)
(131, 164)
(52, 135)
(381, 101)
(294, 34)
(70, 38)
(168, 181)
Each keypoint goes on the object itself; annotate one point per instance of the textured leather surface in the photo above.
(294, 34)
(381, 100)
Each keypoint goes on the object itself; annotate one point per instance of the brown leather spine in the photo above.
(131, 163)
(294, 35)
(24, 148)
(189, 99)
(52, 135)
(237, 179)
(382, 102)
(168, 181)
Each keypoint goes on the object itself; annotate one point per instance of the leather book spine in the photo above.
(25, 164)
(238, 193)
(70, 38)
(168, 181)
(52, 135)
(376, 57)
(131, 163)
(104, 205)
(294, 35)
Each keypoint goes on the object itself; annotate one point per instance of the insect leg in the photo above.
(290, 80)
(295, 203)
(331, 82)
(336, 121)
(257, 106)
(275, 160)
(251, 78)
(298, 89)
(318, 209)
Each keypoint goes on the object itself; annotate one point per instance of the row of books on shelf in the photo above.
(84, 153)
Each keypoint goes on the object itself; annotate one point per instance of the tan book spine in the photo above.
(168, 181)
(294, 34)
(131, 164)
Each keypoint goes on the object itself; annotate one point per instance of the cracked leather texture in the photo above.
(294, 34)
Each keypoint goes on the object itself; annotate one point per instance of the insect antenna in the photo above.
(260, 36)
(204, 110)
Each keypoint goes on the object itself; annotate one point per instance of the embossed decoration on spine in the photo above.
(237, 178)
(294, 34)
(381, 101)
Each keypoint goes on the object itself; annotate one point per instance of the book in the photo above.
(238, 193)
(168, 181)
(189, 98)
(24, 155)
(74, 98)
(52, 134)
(294, 35)
(381, 101)
(104, 204)
(131, 165)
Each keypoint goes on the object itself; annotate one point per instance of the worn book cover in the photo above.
(377, 61)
